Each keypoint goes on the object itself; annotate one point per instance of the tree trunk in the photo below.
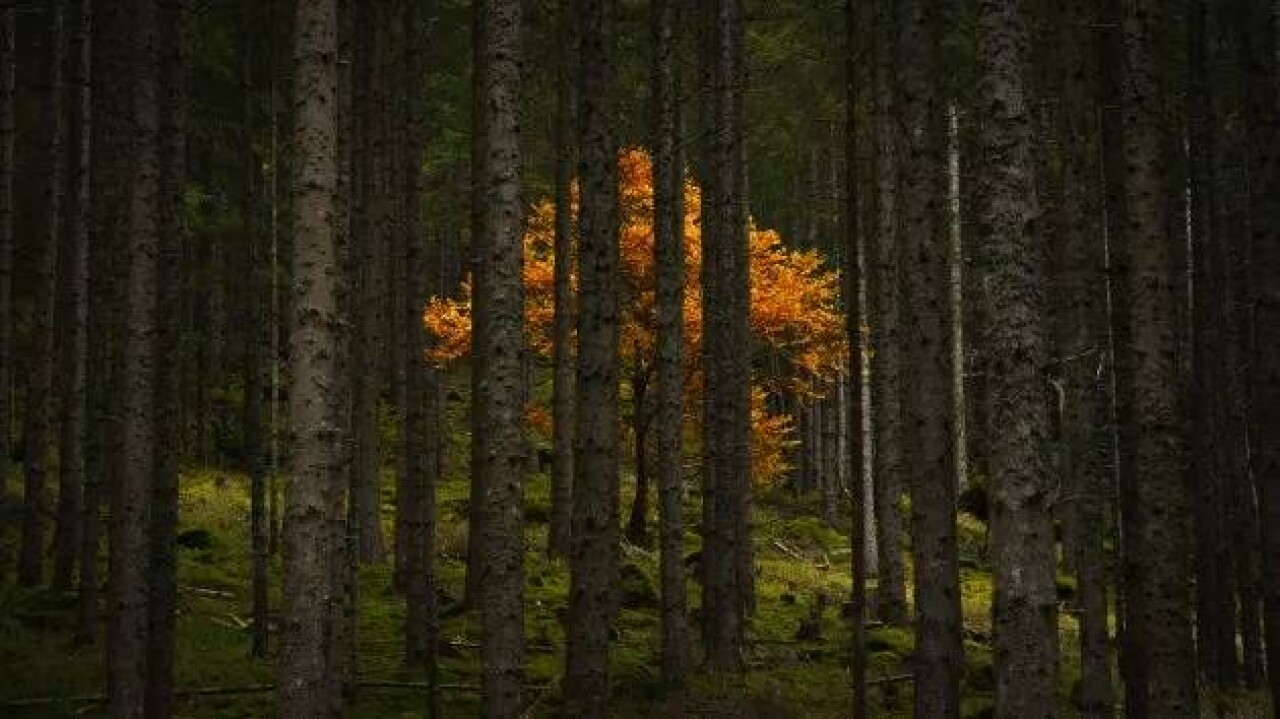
(420, 639)
(39, 420)
(112, 98)
(256, 315)
(637, 525)
(668, 209)
(1080, 327)
(888, 472)
(162, 570)
(1258, 46)
(855, 461)
(725, 315)
(479, 265)
(927, 371)
(505, 460)
(314, 416)
(1156, 532)
(75, 298)
(8, 76)
(1022, 546)
(127, 643)
(593, 561)
(562, 359)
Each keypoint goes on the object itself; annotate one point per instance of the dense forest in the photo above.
(640, 358)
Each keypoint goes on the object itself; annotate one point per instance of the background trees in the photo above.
(1042, 230)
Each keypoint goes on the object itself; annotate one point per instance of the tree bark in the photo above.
(127, 643)
(593, 561)
(927, 371)
(39, 414)
(314, 417)
(888, 472)
(1022, 539)
(505, 456)
(725, 311)
(854, 461)
(668, 213)
(1157, 536)
(162, 540)
(1258, 47)
(8, 73)
(562, 356)
(75, 299)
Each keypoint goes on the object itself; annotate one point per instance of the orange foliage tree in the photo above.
(794, 311)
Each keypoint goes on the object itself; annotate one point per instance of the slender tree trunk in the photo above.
(1209, 423)
(637, 526)
(39, 414)
(479, 264)
(1258, 47)
(8, 71)
(562, 359)
(668, 213)
(1156, 528)
(593, 560)
(108, 303)
(127, 643)
(855, 460)
(419, 589)
(256, 315)
(75, 339)
(315, 433)
(162, 569)
(888, 472)
(505, 460)
(725, 315)
(1025, 616)
(1081, 342)
(927, 369)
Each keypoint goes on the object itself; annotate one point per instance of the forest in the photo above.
(769, 359)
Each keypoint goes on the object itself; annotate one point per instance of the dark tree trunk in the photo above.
(855, 461)
(256, 315)
(1022, 542)
(369, 224)
(162, 570)
(1080, 341)
(562, 358)
(668, 212)
(637, 526)
(593, 560)
(108, 303)
(727, 461)
(1209, 424)
(1258, 47)
(504, 461)
(420, 639)
(39, 404)
(479, 265)
(927, 376)
(8, 74)
(1156, 533)
(75, 298)
(314, 415)
(888, 472)
(127, 644)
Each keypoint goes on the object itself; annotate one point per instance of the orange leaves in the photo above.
(794, 302)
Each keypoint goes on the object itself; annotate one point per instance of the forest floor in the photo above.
(800, 563)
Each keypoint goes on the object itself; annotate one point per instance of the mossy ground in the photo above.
(799, 560)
